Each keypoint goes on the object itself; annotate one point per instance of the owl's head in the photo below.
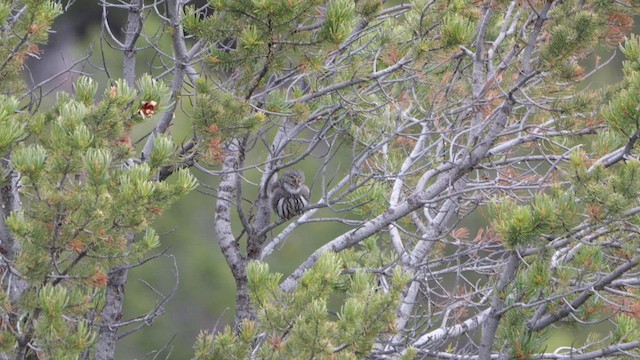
(293, 181)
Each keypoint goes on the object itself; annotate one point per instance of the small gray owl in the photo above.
(289, 194)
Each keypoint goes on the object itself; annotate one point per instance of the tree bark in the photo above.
(230, 248)
(10, 248)
(111, 314)
(490, 326)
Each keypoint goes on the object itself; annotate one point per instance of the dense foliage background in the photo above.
(472, 165)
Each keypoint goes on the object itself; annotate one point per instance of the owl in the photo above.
(289, 194)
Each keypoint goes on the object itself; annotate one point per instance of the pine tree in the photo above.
(77, 203)
(446, 113)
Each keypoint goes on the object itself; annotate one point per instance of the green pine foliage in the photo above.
(81, 201)
(628, 329)
(520, 344)
(596, 195)
(22, 38)
(524, 224)
(606, 192)
(368, 200)
(88, 203)
(338, 21)
(263, 33)
(622, 111)
(220, 116)
(308, 323)
(267, 38)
